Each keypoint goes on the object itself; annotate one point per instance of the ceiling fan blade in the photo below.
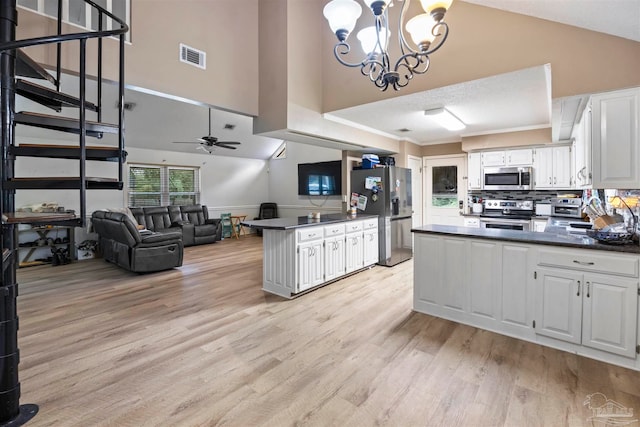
(185, 142)
(225, 146)
(227, 142)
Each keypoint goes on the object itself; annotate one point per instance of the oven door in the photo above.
(506, 224)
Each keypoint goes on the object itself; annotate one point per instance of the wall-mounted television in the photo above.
(320, 179)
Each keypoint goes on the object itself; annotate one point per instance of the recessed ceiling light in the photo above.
(404, 130)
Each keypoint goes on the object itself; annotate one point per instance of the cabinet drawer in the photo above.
(354, 226)
(333, 230)
(308, 234)
(589, 261)
(370, 223)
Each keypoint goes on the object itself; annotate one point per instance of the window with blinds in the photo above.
(151, 185)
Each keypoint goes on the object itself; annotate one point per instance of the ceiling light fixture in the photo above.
(424, 28)
(445, 118)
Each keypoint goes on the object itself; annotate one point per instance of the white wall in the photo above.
(283, 181)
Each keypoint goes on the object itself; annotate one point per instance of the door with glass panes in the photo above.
(445, 189)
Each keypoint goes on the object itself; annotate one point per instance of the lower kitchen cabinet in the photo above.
(595, 310)
(296, 260)
(334, 252)
(310, 265)
(578, 300)
(354, 247)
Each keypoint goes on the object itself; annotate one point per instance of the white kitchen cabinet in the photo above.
(552, 167)
(519, 157)
(370, 242)
(354, 246)
(297, 259)
(559, 305)
(582, 149)
(583, 300)
(493, 158)
(578, 300)
(474, 171)
(615, 132)
(310, 265)
(334, 252)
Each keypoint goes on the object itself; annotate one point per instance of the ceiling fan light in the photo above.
(369, 40)
(342, 16)
(421, 30)
(445, 118)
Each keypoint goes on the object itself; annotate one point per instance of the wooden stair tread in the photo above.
(49, 97)
(88, 147)
(33, 217)
(62, 183)
(63, 178)
(109, 154)
(63, 124)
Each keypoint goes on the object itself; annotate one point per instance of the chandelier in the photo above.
(423, 29)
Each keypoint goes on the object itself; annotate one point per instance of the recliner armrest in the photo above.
(180, 223)
(161, 237)
(213, 221)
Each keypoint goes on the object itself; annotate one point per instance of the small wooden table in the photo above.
(236, 225)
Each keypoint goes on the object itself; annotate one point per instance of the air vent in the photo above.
(229, 126)
(193, 56)
(404, 130)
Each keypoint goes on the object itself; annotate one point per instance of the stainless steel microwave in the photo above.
(507, 178)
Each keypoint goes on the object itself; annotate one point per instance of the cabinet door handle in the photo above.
(583, 263)
(588, 289)
(549, 180)
(578, 293)
(555, 180)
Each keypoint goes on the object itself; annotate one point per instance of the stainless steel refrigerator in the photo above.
(388, 195)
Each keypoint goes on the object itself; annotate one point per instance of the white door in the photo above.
(445, 189)
(415, 164)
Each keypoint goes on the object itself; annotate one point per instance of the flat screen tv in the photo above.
(320, 179)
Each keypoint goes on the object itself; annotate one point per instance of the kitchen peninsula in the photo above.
(570, 293)
(303, 253)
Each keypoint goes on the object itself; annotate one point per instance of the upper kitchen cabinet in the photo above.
(474, 171)
(493, 158)
(519, 157)
(616, 149)
(552, 167)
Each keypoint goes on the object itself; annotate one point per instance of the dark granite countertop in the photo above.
(303, 221)
(568, 240)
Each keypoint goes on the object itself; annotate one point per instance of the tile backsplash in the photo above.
(535, 195)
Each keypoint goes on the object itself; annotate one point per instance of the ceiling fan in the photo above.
(207, 143)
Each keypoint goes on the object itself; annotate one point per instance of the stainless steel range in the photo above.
(507, 214)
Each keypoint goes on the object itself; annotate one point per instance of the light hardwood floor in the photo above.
(204, 345)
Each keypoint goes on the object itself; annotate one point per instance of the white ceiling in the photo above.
(507, 102)
(617, 17)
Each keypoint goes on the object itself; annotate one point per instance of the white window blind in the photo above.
(151, 185)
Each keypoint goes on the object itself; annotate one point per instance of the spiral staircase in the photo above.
(15, 66)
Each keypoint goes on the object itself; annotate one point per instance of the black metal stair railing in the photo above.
(56, 99)
(13, 61)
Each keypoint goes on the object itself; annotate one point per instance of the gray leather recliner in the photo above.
(121, 243)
